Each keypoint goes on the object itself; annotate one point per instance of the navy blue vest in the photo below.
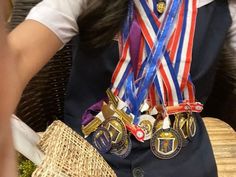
(90, 77)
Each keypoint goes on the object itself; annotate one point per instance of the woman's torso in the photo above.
(90, 77)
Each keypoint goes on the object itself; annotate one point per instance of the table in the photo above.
(223, 140)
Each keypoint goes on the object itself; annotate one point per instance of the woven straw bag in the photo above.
(67, 154)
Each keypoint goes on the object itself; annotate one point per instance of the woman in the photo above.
(53, 23)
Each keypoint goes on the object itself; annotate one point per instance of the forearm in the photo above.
(8, 102)
(10, 86)
(23, 53)
(8, 99)
(7, 105)
(7, 153)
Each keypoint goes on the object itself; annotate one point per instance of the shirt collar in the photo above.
(201, 3)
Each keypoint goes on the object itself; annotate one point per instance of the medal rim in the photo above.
(124, 131)
(151, 119)
(190, 135)
(164, 156)
(127, 150)
(176, 127)
(110, 140)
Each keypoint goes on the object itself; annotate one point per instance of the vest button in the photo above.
(138, 172)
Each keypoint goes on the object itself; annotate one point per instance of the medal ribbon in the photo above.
(179, 27)
(158, 80)
(153, 59)
(159, 88)
(135, 40)
(153, 64)
(128, 22)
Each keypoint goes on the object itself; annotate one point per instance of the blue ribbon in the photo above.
(153, 59)
(131, 90)
(128, 21)
(148, 50)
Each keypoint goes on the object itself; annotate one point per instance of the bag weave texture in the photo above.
(67, 154)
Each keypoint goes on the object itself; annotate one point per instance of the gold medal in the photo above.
(180, 125)
(124, 150)
(117, 130)
(161, 6)
(102, 140)
(166, 143)
(146, 123)
(191, 126)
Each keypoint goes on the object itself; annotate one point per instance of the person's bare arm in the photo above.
(27, 49)
(23, 53)
(33, 45)
(7, 160)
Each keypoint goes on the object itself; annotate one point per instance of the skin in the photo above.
(23, 53)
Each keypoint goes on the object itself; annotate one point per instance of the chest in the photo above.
(91, 72)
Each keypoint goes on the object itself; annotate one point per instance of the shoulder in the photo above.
(60, 16)
(71, 8)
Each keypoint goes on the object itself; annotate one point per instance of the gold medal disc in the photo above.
(117, 130)
(124, 150)
(166, 143)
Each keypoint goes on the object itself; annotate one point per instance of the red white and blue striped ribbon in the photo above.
(188, 11)
(175, 62)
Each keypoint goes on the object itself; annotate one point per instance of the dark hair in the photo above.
(100, 21)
